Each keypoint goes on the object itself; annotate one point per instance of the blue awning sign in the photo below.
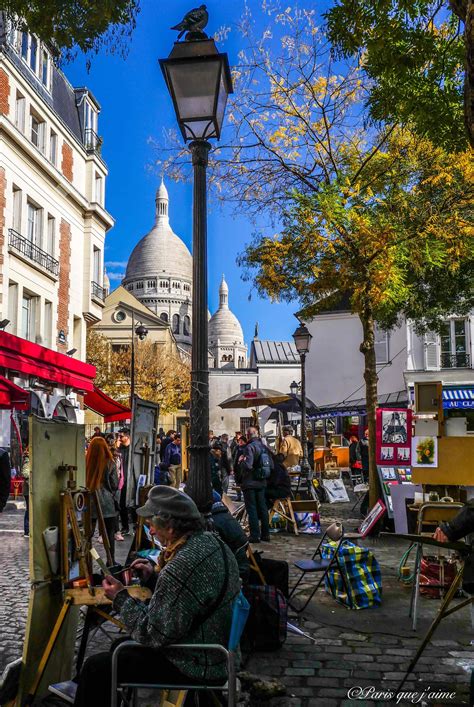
(458, 398)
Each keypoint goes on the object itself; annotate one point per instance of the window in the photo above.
(164, 316)
(381, 345)
(98, 192)
(16, 223)
(96, 269)
(20, 105)
(24, 45)
(90, 117)
(120, 316)
(48, 324)
(244, 387)
(454, 344)
(50, 236)
(33, 53)
(45, 68)
(28, 317)
(139, 286)
(164, 284)
(120, 348)
(176, 323)
(53, 147)
(34, 224)
(151, 284)
(187, 326)
(187, 288)
(245, 423)
(37, 132)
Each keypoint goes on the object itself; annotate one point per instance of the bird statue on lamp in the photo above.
(193, 23)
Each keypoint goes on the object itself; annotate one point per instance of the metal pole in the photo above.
(199, 484)
(304, 441)
(132, 363)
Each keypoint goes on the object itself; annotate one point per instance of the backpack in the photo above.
(267, 622)
(264, 466)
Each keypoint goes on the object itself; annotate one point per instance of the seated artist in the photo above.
(456, 529)
(279, 482)
(195, 583)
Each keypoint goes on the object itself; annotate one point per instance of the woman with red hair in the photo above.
(101, 476)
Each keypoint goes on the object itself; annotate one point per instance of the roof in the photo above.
(121, 296)
(63, 98)
(277, 352)
(358, 406)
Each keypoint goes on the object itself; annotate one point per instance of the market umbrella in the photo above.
(255, 397)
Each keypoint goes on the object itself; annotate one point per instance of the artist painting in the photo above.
(394, 427)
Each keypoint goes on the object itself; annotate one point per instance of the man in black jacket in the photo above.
(5, 478)
(253, 487)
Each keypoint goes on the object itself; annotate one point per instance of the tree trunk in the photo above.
(464, 10)
(367, 348)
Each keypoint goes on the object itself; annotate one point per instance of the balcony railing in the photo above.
(30, 251)
(97, 291)
(92, 141)
(457, 360)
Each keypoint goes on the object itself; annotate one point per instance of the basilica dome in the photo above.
(224, 327)
(161, 250)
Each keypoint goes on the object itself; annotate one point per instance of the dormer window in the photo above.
(37, 57)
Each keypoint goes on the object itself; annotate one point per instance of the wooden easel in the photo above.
(74, 500)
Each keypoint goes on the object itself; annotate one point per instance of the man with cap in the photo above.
(194, 585)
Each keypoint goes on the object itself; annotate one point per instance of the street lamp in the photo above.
(199, 81)
(294, 387)
(140, 331)
(302, 339)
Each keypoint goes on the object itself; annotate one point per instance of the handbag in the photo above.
(361, 587)
(266, 627)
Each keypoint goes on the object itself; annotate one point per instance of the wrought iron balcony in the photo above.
(97, 291)
(30, 251)
(92, 141)
(456, 360)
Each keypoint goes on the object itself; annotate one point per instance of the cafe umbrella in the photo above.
(254, 398)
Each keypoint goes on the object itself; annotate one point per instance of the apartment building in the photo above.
(53, 223)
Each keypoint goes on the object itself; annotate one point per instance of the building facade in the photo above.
(53, 218)
(335, 366)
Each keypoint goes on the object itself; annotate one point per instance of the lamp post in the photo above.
(140, 331)
(199, 81)
(302, 339)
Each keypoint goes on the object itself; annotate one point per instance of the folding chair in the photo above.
(432, 514)
(317, 563)
(359, 486)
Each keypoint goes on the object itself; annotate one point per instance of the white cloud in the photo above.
(114, 264)
(115, 275)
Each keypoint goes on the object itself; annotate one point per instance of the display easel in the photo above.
(75, 545)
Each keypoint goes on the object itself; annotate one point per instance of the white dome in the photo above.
(160, 252)
(224, 327)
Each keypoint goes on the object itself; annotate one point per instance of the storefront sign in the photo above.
(458, 398)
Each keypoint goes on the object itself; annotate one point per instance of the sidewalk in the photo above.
(369, 648)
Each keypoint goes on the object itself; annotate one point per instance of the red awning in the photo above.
(110, 410)
(12, 396)
(34, 360)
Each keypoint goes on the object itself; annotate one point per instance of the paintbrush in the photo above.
(100, 562)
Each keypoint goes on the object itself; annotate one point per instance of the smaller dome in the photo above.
(162, 191)
(224, 325)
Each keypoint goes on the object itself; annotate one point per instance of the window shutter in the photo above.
(431, 347)
(381, 345)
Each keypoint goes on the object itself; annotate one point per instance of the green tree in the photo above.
(419, 56)
(392, 228)
(87, 25)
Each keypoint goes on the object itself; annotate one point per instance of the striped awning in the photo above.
(458, 398)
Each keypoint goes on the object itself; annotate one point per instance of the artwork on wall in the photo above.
(424, 451)
(393, 436)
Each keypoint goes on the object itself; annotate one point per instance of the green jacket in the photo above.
(185, 590)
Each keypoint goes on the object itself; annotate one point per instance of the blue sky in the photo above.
(136, 107)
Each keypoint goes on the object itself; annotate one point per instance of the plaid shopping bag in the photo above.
(360, 587)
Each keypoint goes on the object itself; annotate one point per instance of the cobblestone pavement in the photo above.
(367, 649)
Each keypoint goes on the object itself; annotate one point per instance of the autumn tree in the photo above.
(160, 376)
(380, 214)
(419, 57)
(86, 25)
